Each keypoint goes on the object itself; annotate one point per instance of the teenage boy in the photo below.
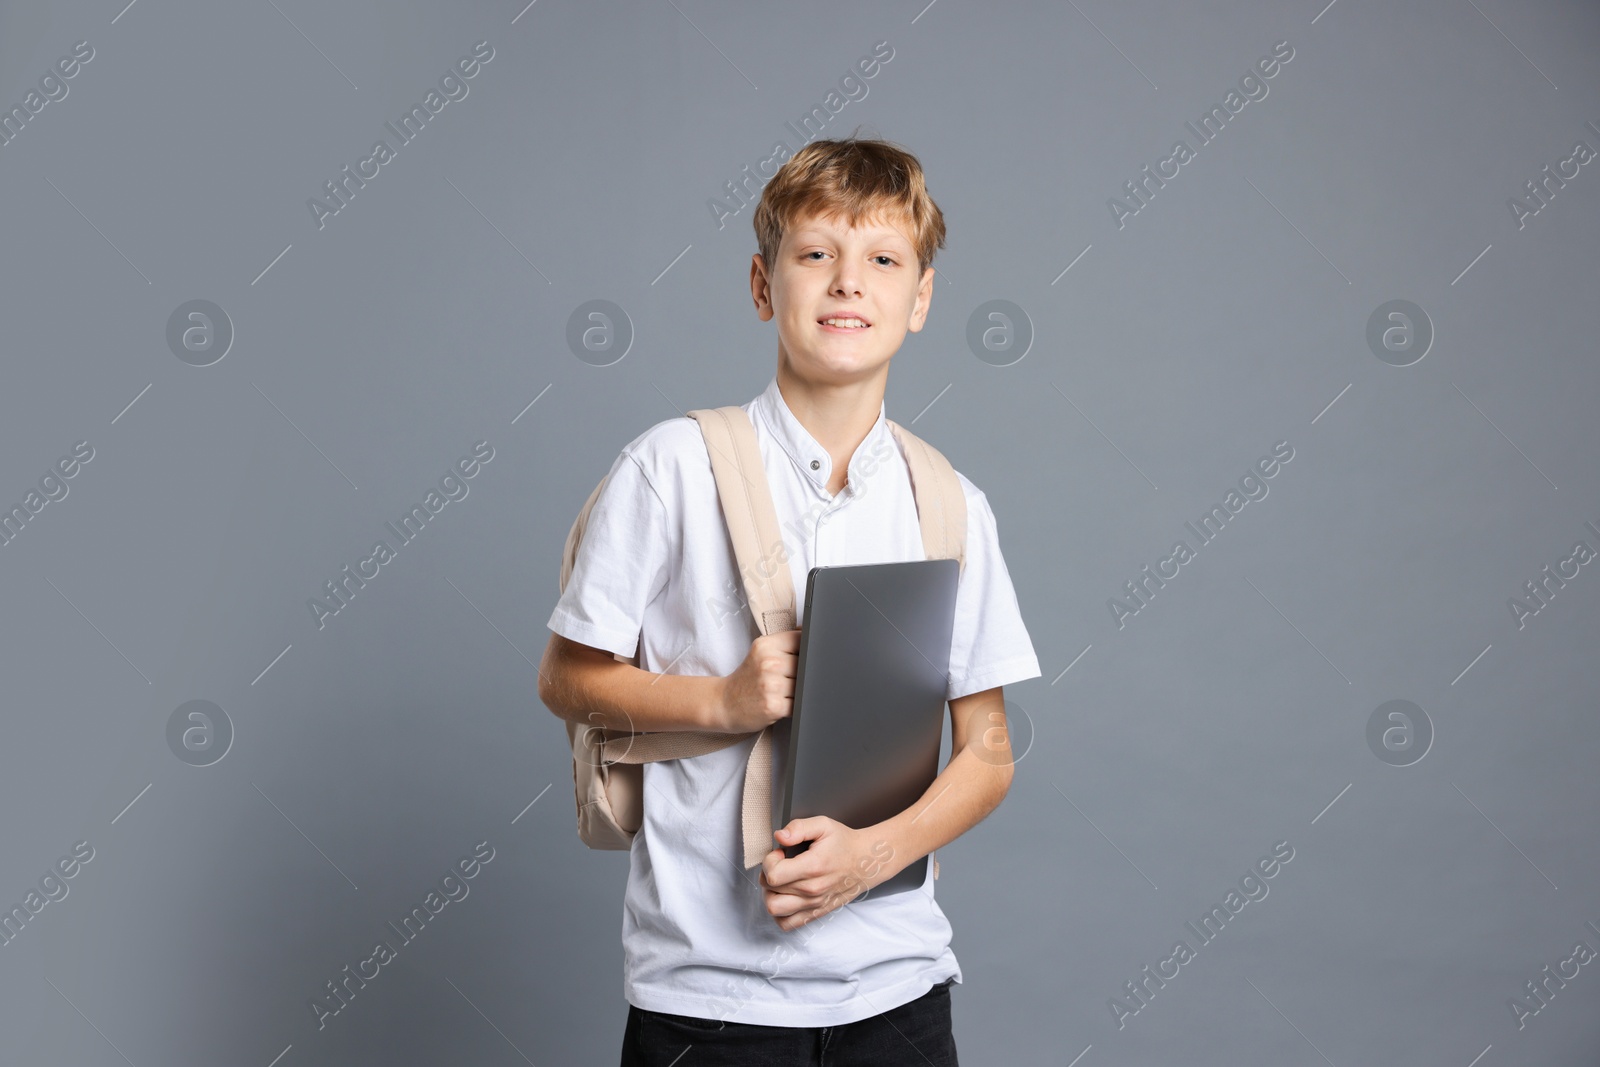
(777, 963)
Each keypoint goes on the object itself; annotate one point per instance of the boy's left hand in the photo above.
(841, 864)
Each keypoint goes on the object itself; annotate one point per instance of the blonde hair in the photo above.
(857, 180)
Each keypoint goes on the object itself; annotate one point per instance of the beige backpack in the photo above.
(607, 765)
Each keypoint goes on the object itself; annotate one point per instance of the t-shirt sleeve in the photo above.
(621, 564)
(990, 645)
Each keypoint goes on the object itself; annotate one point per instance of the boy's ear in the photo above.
(760, 287)
(919, 311)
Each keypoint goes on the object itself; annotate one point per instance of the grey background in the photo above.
(1167, 755)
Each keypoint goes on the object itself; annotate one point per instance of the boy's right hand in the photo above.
(761, 690)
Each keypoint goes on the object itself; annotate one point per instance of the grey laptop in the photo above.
(861, 743)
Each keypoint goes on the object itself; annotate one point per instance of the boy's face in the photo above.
(826, 269)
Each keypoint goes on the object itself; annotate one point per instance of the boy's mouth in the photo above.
(844, 324)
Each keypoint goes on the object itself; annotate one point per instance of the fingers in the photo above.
(797, 918)
(786, 642)
(796, 904)
(789, 911)
(783, 659)
(777, 668)
(769, 870)
(809, 889)
(803, 887)
(780, 905)
(794, 922)
(805, 865)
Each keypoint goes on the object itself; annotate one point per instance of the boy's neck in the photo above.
(839, 415)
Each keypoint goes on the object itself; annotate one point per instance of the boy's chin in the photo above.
(825, 365)
(832, 374)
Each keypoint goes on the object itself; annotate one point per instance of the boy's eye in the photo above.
(818, 252)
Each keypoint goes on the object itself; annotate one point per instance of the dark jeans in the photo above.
(916, 1034)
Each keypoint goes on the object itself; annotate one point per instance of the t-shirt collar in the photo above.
(809, 456)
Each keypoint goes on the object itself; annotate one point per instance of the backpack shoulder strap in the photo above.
(763, 561)
(941, 504)
(751, 517)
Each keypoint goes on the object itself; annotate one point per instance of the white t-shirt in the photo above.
(656, 570)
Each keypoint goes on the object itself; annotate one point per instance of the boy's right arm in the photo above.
(580, 683)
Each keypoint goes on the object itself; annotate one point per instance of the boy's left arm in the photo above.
(842, 863)
(971, 785)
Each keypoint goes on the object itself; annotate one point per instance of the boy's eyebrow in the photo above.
(877, 234)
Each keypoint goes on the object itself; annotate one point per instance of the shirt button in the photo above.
(816, 464)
